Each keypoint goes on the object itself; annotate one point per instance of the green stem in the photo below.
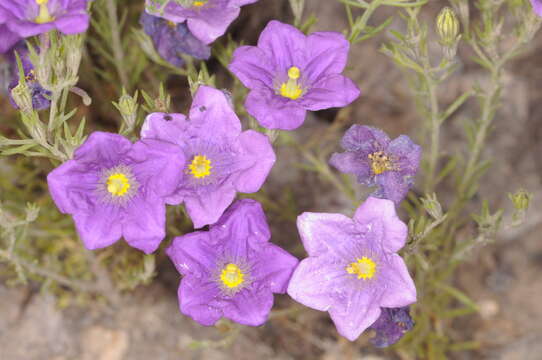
(118, 50)
(360, 25)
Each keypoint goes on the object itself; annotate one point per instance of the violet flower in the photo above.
(378, 161)
(353, 269)
(206, 19)
(115, 189)
(391, 326)
(171, 40)
(7, 37)
(232, 270)
(221, 160)
(289, 73)
(41, 98)
(31, 17)
(537, 6)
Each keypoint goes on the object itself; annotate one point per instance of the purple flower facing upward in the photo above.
(232, 270)
(378, 161)
(391, 326)
(115, 189)
(353, 269)
(31, 17)
(537, 6)
(289, 73)
(40, 96)
(172, 40)
(221, 160)
(206, 19)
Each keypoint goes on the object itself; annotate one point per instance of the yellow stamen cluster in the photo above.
(380, 162)
(199, 3)
(118, 184)
(232, 276)
(43, 16)
(291, 88)
(364, 268)
(200, 167)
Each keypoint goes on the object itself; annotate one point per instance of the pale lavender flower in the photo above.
(221, 160)
(289, 73)
(172, 40)
(391, 326)
(31, 17)
(353, 269)
(390, 165)
(537, 6)
(115, 189)
(232, 270)
(206, 19)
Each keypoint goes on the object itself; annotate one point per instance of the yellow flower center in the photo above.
(171, 24)
(364, 268)
(118, 184)
(232, 276)
(380, 162)
(200, 167)
(291, 89)
(43, 16)
(199, 3)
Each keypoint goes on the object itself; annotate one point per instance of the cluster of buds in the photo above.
(448, 30)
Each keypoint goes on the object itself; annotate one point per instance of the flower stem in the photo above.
(118, 50)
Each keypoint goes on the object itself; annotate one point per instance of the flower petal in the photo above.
(274, 112)
(393, 185)
(358, 312)
(250, 306)
(276, 273)
(317, 282)
(284, 44)
(399, 287)
(193, 254)
(255, 161)
(145, 223)
(213, 23)
(364, 139)
(72, 24)
(328, 54)
(206, 207)
(103, 148)
(198, 299)
(331, 235)
(99, 228)
(7, 38)
(166, 127)
(351, 163)
(251, 65)
(244, 220)
(381, 212)
(408, 153)
(330, 91)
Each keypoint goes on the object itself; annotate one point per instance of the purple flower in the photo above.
(391, 326)
(31, 17)
(171, 40)
(378, 161)
(40, 96)
(206, 19)
(221, 159)
(537, 6)
(232, 270)
(114, 188)
(7, 37)
(353, 269)
(289, 73)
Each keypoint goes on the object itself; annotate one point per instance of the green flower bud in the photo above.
(448, 27)
(521, 199)
(22, 97)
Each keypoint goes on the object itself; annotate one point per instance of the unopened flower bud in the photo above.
(22, 97)
(448, 30)
(521, 199)
(127, 107)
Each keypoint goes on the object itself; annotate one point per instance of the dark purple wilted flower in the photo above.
(7, 37)
(537, 6)
(40, 96)
(232, 270)
(289, 73)
(31, 17)
(221, 160)
(353, 269)
(206, 19)
(391, 326)
(171, 40)
(115, 189)
(378, 161)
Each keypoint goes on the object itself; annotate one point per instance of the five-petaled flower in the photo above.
(31, 17)
(353, 269)
(220, 159)
(206, 19)
(537, 6)
(391, 165)
(232, 270)
(391, 326)
(289, 73)
(115, 189)
(172, 40)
